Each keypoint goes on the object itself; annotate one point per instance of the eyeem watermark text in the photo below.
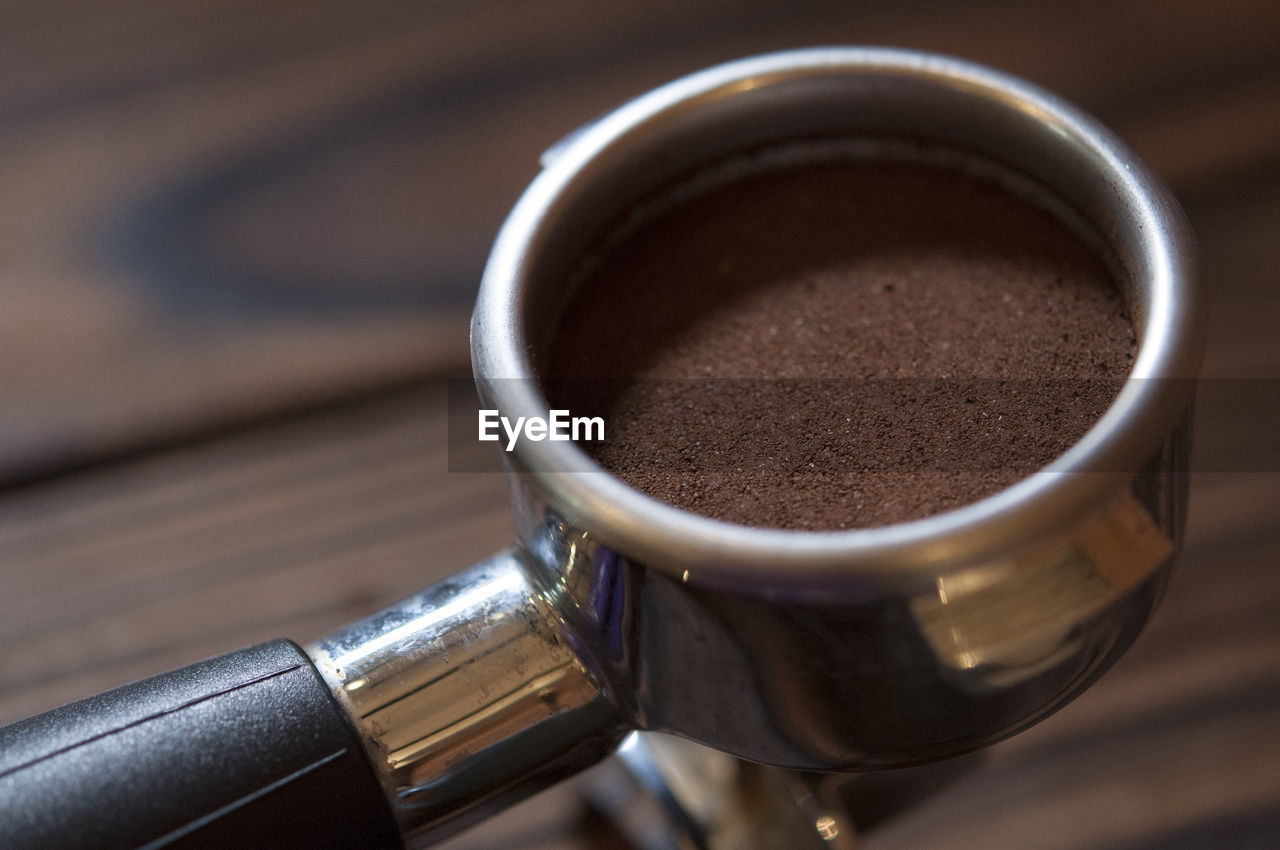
(559, 427)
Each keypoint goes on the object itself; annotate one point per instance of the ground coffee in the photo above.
(837, 343)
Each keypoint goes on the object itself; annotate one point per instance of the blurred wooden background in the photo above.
(238, 247)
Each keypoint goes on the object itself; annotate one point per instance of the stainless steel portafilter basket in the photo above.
(614, 612)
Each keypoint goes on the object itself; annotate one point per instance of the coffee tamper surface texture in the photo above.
(840, 344)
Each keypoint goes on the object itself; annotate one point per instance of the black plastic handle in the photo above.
(246, 750)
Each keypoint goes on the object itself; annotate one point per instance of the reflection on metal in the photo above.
(1004, 623)
(464, 692)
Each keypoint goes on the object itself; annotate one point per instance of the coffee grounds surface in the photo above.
(841, 344)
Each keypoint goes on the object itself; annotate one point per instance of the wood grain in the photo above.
(238, 245)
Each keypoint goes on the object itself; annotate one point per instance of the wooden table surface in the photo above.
(238, 246)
